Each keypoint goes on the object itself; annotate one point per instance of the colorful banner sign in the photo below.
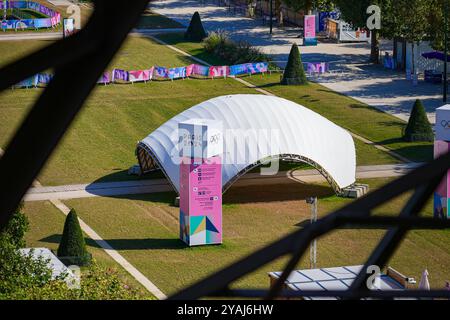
(219, 71)
(310, 26)
(248, 68)
(177, 73)
(105, 78)
(317, 67)
(53, 19)
(44, 78)
(200, 70)
(68, 27)
(120, 75)
(140, 75)
(161, 72)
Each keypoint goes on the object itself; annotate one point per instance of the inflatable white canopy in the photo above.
(256, 128)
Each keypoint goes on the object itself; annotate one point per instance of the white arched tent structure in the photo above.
(274, 127)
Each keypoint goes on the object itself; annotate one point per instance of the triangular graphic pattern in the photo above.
(198, 224)
(210, 226)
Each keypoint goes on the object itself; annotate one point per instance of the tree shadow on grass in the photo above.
(129, 244)
(291, 191)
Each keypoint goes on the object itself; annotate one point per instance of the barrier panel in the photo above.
(53, 19)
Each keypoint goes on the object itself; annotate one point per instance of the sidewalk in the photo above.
(351, 74)
(110, 189)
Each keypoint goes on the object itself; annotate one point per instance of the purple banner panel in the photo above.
(120, 75)
(105, 78)
(161, 72)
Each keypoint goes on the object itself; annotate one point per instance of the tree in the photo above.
(294, 72)
(15, 230)
(418, 128)
(354, 12)
(24, 276)
(195, 31)
(72, 248)
(308, 5)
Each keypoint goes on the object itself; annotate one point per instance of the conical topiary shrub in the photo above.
(195, 31)
(294, 72)
(418, 127)
(72, 248)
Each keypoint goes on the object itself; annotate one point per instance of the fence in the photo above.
(53, 19)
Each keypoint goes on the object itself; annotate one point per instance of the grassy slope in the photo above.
(101, 142)
(46, 225)
(145, 230)
(349, 113)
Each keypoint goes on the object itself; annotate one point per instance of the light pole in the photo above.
(271, 16)
(313, 248)
(445, 49)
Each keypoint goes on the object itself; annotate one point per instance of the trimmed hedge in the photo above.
(230, 52)
(72, 248)
(294, 72)
(418, 127)
(195, 31)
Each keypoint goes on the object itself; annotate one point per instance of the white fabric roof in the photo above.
(300, 132)
(328, 279)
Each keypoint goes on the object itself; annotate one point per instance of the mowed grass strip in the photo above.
(45, 231)
(347, 112)
(144, 229)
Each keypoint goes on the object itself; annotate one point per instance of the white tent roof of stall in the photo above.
(300, 132)
(336, 279)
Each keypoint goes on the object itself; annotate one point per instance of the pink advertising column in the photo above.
(441, 147)
(309, 38)
(201, 147)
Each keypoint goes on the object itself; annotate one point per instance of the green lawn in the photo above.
(100, 143)
(145, 230)
(45, 231)
(349, 113)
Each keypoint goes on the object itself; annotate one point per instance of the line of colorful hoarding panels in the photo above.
(53, 19)
(156, 72)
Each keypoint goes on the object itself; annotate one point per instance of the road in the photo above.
(105, 189)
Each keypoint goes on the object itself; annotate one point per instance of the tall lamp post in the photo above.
(445, 49)
(271, 16)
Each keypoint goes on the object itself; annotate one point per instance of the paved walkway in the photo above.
(351, 75)
(161, 185)
(31, 36)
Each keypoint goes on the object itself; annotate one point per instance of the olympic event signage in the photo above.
(441, 147)
(443, 123)
(68, 27)
(310, 30)
(201, 148)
